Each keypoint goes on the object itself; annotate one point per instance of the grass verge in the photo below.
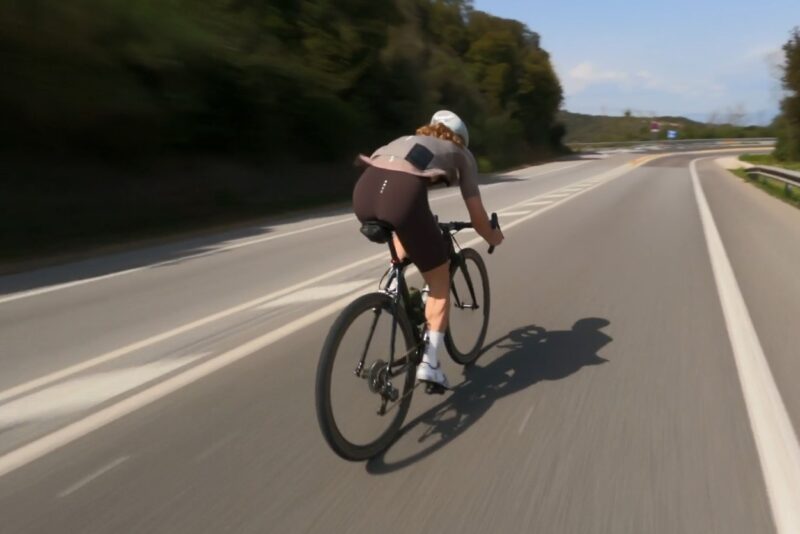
(775, 188)
(769, 159)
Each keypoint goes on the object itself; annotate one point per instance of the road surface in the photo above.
(624, 389)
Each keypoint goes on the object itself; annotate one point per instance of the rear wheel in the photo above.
(470, 302)
(362, 402)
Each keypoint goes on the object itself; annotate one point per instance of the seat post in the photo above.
(392, 250)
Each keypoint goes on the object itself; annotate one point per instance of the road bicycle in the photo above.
(368, 363)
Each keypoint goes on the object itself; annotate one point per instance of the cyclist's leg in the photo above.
(399, 248)
(438, 280)
(427, 248)
(438, 303)
(422, 240)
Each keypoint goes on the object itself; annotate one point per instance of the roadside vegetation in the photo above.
(775, 188)
(787, 125)
(770, 160)
(629, 128)
(125, 118)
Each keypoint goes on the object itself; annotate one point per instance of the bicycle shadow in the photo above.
(532, 354)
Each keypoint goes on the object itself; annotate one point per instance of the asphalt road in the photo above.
(171, 389)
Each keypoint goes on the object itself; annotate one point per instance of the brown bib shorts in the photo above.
(401, 199)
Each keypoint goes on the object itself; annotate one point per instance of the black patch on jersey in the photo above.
(420, 157)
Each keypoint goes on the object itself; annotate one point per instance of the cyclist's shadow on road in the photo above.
(531, 354)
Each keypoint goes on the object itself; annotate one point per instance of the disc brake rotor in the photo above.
(376, 376)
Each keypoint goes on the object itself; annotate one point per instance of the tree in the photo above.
(788, 147)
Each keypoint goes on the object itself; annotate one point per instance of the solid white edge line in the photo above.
(775, 438)
(49, 289)
(10, 297)
(39, 447)
(163, 336)
(100, 472)
(513, 213)
(67, 434)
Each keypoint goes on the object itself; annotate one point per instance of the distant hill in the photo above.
(602, 128)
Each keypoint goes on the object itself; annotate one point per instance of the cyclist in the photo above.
(393, 189)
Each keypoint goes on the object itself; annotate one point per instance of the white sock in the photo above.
(431, 356)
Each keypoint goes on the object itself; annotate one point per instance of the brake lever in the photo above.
(495, 226)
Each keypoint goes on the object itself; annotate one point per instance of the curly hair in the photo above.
(441, 131)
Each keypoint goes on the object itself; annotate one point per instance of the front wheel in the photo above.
(361, 399)
(470, 303)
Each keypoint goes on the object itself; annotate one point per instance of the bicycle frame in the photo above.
(402, 301)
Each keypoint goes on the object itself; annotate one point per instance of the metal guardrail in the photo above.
(666, 143)
(789, 178)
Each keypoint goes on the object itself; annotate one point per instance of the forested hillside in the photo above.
(604, 129)
(124, 118)
(285, 80)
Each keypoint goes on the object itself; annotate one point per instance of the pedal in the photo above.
(431, 388)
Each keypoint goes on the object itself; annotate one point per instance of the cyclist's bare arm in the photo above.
(480, 221)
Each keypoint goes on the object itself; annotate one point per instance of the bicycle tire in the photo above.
(325, 416)
(467, 358)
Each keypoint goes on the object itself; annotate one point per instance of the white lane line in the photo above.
(163, 336)
(525, 421)
(312, 294)
(85, 392)
(65, 435)
(602, 180)
(524, 175)
(49, 289)
(556, 196)
(231, 245)
(776, 441)
(215, 250)
(36, 449)
(97, 474)
(513, 213)
(235, 244)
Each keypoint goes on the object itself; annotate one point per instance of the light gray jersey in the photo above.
(432, 158)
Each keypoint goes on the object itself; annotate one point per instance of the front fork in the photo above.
(458, 262)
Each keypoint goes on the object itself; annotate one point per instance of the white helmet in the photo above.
(452, 121)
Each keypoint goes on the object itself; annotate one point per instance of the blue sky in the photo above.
(678, 57)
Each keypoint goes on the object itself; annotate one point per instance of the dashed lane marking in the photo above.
(97, 474)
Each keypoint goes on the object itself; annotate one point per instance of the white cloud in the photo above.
(586, 74)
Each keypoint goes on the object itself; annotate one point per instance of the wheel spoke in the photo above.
(470, 308)
(353, 414)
